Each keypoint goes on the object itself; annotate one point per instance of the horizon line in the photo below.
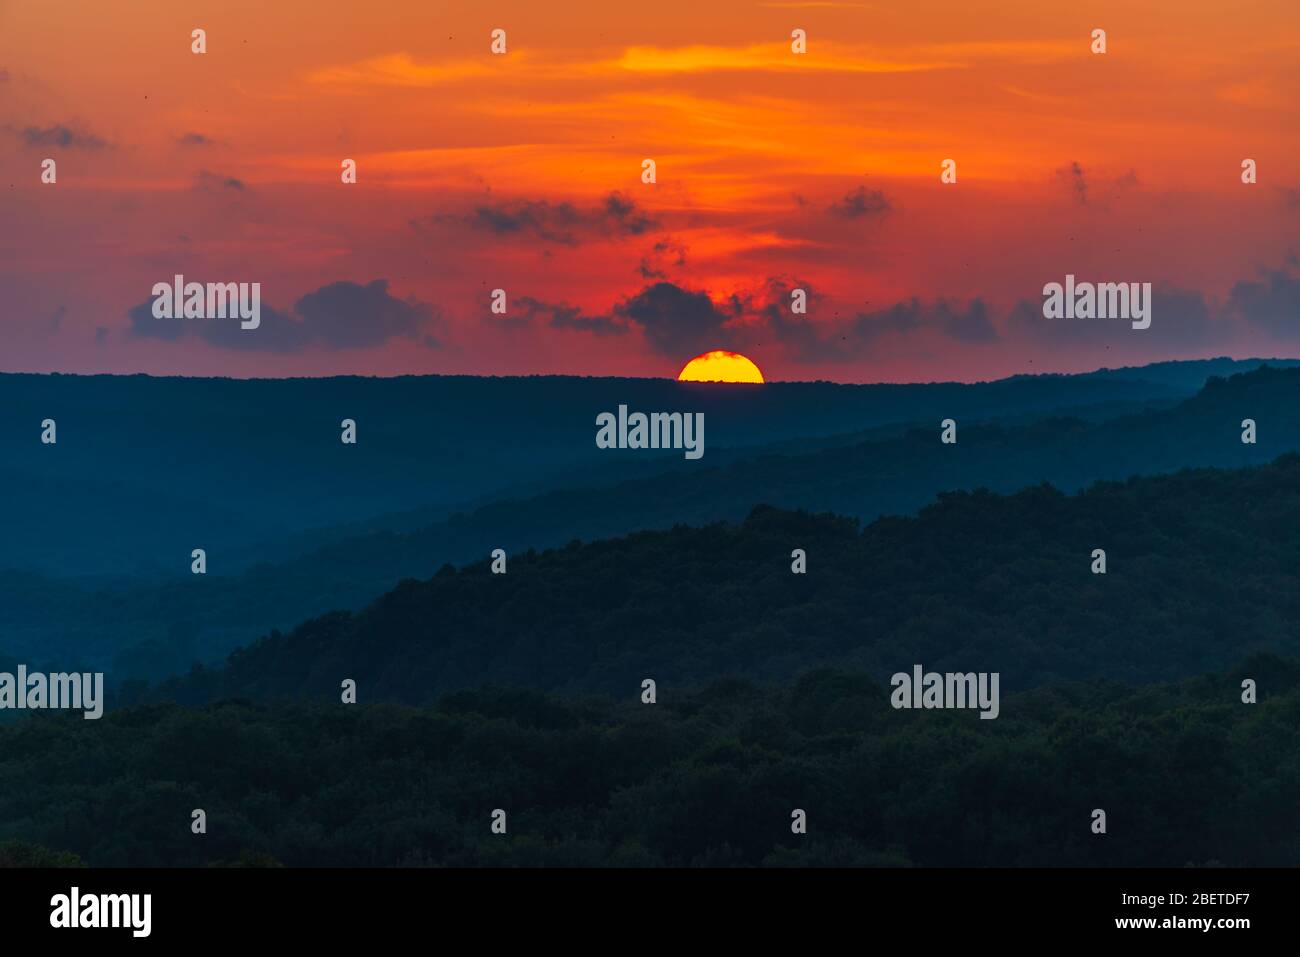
(549, 375)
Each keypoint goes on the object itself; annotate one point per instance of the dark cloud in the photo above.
(663, 255)
(145, 326)
(195, 139)
(901, 317)
(623, 213)
(277, 331)
(560, 316)
(824, 339)
(206, 181)
(346, 315)
(4, 76)
(62, 137)
(552, 223)
(599, 325)
(1181, 319)
(1184, 315)
(342, 315)
(675, 320)
(1272, 302)
(562, 223)
(971, 324)
(678, 321)
(968, 323)
(860, 203)
(803, 337)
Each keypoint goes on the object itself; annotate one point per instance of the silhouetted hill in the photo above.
(146, 469)
(1204, 568)
(149, 629)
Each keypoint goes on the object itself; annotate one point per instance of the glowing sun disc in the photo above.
(720, 366)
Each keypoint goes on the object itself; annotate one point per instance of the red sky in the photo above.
(522, 171)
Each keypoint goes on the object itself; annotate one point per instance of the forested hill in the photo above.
(1203, 568)
(1187, 774)
(154, 629)
(145, 467)
(894, 475)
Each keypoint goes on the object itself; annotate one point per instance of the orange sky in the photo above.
(522, 171)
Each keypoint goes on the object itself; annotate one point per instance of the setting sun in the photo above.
(720, 366)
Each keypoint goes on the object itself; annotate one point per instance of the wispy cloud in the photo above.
(830, 57)
(401, 69)
(1088, 189)
(559, 222)
(860, 203)
(62, 137)
(205, 181)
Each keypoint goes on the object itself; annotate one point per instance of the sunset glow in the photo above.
(522, 171)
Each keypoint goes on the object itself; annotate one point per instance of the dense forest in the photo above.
(1203, 568)
(1187, 774)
